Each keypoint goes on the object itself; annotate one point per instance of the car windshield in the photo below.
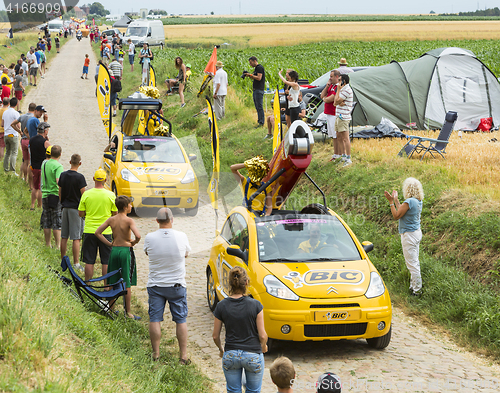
(136, 31)
(109, 32)
(304, 238)
(152, 149)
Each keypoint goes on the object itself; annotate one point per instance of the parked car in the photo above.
(109, 33)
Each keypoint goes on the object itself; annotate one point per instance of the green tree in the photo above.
(98, 9)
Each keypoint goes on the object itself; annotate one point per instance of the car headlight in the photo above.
(276, 288)
(376, 287)
(188, 177)
(129, 176)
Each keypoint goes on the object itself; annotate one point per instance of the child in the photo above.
(328, 383)
(122, 254)
(5, 88)
(86, 67)
(283, 374)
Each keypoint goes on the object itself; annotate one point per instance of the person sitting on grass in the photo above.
(122, 254)
(283, 374)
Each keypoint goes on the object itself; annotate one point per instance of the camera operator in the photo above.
(343, 101)
(259, 80)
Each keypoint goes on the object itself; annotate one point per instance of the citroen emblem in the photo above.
(160, 177)
(330, 290)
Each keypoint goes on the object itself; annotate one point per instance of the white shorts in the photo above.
(330, 125)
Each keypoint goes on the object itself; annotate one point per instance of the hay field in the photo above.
(276, 34)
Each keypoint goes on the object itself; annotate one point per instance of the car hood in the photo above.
(158, 172)
(323, 280)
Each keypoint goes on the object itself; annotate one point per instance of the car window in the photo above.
(235, 231)
(304, 238)
(152, 149)
(322, 80)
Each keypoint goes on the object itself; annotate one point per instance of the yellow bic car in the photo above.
(154, 170)
(308, 270)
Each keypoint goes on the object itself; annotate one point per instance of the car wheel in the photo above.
(211, 291)
(380, 342)
(192, 211)
(271, 343)
(113, 188)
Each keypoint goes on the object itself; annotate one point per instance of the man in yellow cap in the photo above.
(51, 206)
(96, 205)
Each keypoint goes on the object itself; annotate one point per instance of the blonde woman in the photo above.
(408, 214)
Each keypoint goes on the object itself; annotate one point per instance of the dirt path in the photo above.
(416, 359)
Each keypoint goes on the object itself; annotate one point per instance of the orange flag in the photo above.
(211, 63)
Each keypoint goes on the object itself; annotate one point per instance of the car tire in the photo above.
(211, 291)
(114, 190)
(271, 344)
(380, 342)
(192, 211)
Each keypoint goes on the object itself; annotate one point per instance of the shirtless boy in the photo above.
(122, 254)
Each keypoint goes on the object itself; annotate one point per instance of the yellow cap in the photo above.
(100, 175)
(48, 151)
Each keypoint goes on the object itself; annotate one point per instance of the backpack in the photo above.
(116, 86)
(152, 55)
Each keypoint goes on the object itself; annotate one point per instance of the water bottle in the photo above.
(267, 86)
(460, 134)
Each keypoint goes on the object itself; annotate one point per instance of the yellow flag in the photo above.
(277, 121)
(152, 76)
(104, 98)
(213, 186)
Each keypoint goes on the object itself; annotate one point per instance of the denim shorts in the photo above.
(177, 301)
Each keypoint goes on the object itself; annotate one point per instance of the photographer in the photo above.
(343, 101)
(259, 80)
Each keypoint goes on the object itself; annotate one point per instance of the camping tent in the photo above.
(123, 22)
(421, 91)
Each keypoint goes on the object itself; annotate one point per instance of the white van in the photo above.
(143, 30)
(55, 25)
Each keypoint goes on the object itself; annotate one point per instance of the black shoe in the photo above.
(416, 294)
(259, 125)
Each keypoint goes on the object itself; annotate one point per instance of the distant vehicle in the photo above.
(149, 31)
(55, 25)
(109, 33)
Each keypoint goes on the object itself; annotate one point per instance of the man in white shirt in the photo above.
(167, 250)
(344, 102)
(131, 54)
(12, 136)
(220, 90)
(33, 64)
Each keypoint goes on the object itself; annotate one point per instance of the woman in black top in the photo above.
(246, 337)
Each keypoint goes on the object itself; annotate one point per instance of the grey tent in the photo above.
(123, 22)
(423, 90)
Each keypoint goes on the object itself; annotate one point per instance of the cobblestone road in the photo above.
(416, 359)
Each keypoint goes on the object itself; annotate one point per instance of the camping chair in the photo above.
(101, 298)
(435, 145)
(175, 89)
(351, 123)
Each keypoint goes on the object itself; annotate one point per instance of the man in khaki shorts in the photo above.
(343, 101)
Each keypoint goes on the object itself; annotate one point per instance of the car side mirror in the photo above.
(367, 246)
(110, 157)
(149, 34)
(192, 157)
(235, 251)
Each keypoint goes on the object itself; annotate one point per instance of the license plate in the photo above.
(158, 192)
(337, 315)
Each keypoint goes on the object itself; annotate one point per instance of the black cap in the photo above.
(40, 108)
(328, 383)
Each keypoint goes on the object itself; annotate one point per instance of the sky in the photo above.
(270, 7)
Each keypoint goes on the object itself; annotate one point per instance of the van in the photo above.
(55, 25)
(143, 30)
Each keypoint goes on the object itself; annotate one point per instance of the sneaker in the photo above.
(259, 125)
(183, 105)
(347, 162)
(114, 113)
(335, 158)
(43, 76)
(34, 84)
(81, 77)
(416, 294)
(79, 267)
(268, 136)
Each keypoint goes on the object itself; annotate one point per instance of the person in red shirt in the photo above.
(328, 96)
(86, 67)
(5, 88)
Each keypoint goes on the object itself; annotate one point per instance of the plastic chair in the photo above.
(434, 145)
(102, 298)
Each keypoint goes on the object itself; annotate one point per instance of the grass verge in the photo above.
(49, 341)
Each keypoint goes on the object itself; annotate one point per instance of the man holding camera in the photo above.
(344, 101)
(259, 80)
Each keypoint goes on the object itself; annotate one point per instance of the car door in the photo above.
(109, 166)
(234, 232)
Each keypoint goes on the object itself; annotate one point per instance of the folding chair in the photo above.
(435, 145)
(351, 123)
(103, 299)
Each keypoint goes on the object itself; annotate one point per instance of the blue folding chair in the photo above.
(430, 145)
(101, 297)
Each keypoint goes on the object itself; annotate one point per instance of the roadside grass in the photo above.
(460, 250)
(49, 341)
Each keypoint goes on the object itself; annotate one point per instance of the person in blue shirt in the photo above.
(408, 214)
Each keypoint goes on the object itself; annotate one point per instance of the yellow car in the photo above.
(308, 270)
(154, 170)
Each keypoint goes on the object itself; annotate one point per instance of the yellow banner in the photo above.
(104, 98)
(277, 121)
(152, 76)
(213, 187)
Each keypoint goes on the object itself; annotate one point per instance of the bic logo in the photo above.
(326, 277)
